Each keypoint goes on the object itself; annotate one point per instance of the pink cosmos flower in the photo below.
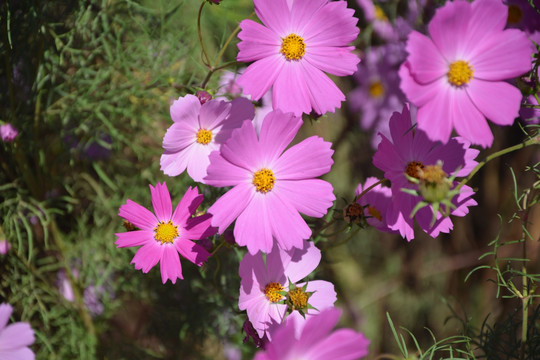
(456, 75)
(377, 202)
(410, 150)
(14, 338)
(8, 132)
(316, 341)
(262, 281)
(292, 50)
(166, 234)
(197, 131)
(271, 185)
(4, 246)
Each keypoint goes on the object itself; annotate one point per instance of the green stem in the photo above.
(227, 42)
(206, 60)
(213, 70)
(533, 141)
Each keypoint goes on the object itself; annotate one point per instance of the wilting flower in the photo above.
(198, 130)
(14, 338)
(272, 186)
(166, 234)
(8, 132)
(293, 50)
(315, 341)
(409, 152)
(456, 75)
(263, 284)
(375, 203)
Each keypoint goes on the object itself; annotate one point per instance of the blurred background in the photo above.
(87, 84)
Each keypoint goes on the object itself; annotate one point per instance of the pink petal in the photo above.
(186, 109)
(303, 262)
(308, 159)
(252, 227)
(467, 120)
(161, 201)
(342, 344)
(222, 173)
(333, 60)
(442, 224)
(290, 92)
(488, 17)
(241, 109)
(498, 101)
(274, 14)
(228, 207)
(16, 335)
(401, 130)
(179, 136)
(433, 117)
(324, 295)
(302, 12)
(417, 93)
(261, 75)
(333, 25)
(277, 132)
(288, 226)
(18, 354)
(192, 251)
(463, 200)
(448, 29)
(138, 215)
(187, 206)
(199, 227)
(213, 113)
(5, 313)
(243, 149)
(318, 327)
(324, 94)
(254, 274)
(257, 42)
(170, 266)
(504, 55)
(175, 163)
(147, 256)
(134, 238)
(197, 166)
(398, 216)
(426, 62)
(301, 195)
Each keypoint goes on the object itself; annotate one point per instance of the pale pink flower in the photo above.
(166, 234)
(16, 338)
(261, 281)
(316, 341)
(456, 75)
(297, 43)
(271, 185)
(198, 130)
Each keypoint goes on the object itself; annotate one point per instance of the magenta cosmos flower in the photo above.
(14, 338)
(456, 75)
(376, 203)
(262, 281)
(166, 234)
(409, 151)
(271, 186)
(292, 50)
(198, 130)
(316, 341)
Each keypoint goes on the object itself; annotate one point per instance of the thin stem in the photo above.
(206, 60)
(368, 189)
(227, 42)
(213, 70)
(525, 289)
(533, 141)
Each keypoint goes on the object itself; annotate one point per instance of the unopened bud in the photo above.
(203, 96)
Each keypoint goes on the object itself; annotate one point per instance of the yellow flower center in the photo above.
(264, 180)
(433, 174)
(379, 14)
(374, 212)
(293, 47)
(514, 14)
(165, 232)
(414, 169)
(460, 72)
(376, 89)
(272, 292)
(204, 136)
(298, 298)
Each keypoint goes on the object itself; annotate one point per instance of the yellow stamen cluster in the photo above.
(376, 89)
(414, 168)
(379, 14)
(460, 72)
(293, 47)
(272, 291)
(514, 14)
(204, 136)
(374, 212)
(298, 298)
(264, 180)
(433, 174)
(165, 232)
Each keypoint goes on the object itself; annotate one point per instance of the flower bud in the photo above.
(434, 184)
(8, 133)
(203, 96)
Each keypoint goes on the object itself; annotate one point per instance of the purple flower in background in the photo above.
(530, 113)
(16, 338)
(377, 95)
(410, 151)
(375, 15)
(4, 247)
(316, 341)
(8, 132)
(262, 282)
(522, 15)
(377, 202)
